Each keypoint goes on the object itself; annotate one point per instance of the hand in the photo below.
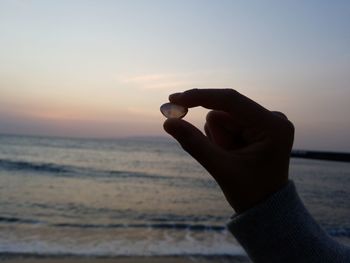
(247, 147)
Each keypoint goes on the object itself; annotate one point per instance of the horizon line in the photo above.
(296, 152)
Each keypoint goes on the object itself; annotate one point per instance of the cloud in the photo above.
(168, 81)
(159, 81)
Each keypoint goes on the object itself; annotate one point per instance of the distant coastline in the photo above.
(297, 153)
(321, 155)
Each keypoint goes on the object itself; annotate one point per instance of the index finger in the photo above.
(228, 100)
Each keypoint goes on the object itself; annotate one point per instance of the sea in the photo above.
(135, 197)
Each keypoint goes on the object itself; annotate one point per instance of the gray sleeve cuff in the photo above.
(281, 230)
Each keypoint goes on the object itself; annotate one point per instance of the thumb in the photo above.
(195, 143)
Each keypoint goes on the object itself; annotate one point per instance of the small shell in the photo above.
(171, 110)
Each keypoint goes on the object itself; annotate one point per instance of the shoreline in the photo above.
(121, 259)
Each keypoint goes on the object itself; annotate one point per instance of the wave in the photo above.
(187, 243)
(61, 170)
(68, 170)
(335, 232)
(18, 220)
(192, 227)
(30, 166)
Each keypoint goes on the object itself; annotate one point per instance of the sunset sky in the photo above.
(103, 68)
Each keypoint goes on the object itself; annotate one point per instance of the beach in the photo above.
(168, 259)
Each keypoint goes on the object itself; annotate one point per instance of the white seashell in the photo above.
(171, 110)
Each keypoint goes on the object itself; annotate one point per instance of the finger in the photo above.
(223, 130)
(242, 108)
(194, 142)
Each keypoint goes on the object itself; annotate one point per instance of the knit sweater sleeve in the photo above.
(281, 230)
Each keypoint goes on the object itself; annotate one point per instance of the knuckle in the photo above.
(229, 98)
(286, 132)
(231, 93)
(210, 116)
(290, 127)
(282, 132)
(280, 114)
(191, 92)
(287, 126)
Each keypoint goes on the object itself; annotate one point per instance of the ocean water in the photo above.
(134, 197)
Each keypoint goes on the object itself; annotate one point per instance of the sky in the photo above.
(102, 68)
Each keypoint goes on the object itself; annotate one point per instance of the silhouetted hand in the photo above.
(247, 147)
